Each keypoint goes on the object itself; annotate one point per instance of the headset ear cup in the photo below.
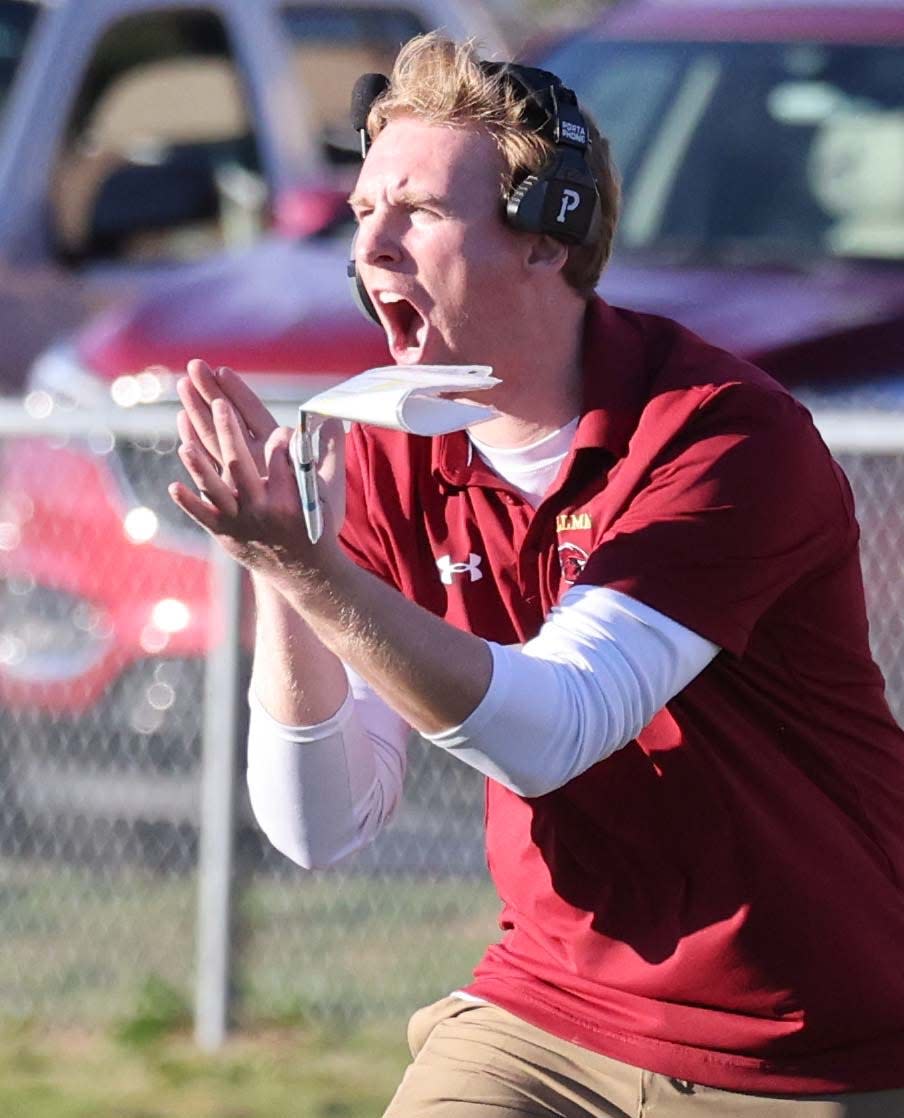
(524, 208)
(562, 201)
(359, 291)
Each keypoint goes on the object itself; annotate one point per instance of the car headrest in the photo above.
(856, 172)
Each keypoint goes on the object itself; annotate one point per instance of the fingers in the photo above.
(235, 453)
(190, 437)
(205, 514)
(257, 521)
(200, 417)
(215, 384)
(251, 410)
(205, 476)
(221, 439)
(197, 392)
(239, 468)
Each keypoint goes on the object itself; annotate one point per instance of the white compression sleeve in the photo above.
(321, 792)
(601, 666)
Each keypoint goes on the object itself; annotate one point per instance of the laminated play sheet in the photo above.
(418, 399)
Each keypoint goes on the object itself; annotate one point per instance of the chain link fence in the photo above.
(108, 612)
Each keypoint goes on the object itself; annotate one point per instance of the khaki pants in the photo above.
(479, 1061)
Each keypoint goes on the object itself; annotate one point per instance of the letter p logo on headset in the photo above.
(570, 201)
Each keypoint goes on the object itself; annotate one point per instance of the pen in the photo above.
(301, 451)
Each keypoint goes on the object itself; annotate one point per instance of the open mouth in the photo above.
(406, 327)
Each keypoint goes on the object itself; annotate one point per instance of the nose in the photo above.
(378, 240)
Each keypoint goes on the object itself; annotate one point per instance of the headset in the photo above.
(561, 200)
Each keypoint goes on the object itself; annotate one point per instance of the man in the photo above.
(632, 600)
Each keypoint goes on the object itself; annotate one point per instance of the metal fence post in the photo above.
(218, 807)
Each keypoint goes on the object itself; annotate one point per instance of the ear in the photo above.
(546, 253)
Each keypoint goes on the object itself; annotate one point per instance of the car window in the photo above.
(759, 151)
(159, 145)
(16, 21)
(333, 46)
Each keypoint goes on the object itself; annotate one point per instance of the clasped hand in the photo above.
(247, 497)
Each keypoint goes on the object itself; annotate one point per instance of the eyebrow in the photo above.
(402, 198)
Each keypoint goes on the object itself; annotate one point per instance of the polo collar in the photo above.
(615, 379)
(454, 460)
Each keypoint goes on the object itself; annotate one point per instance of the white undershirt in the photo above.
(602, 665)
(530, 469)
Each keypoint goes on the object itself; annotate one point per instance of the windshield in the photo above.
(16, 21)
(750, 151)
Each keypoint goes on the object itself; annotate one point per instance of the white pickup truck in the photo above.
(136, 135)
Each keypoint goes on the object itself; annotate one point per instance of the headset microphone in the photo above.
(366, 90)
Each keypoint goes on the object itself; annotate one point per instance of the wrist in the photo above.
(266, 592)
(318, 575)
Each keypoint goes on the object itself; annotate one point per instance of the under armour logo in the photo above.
(570, 201)
(448, 570)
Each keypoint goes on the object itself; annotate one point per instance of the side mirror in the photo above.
(313, 211)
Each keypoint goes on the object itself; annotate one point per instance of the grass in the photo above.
(366, 945)
(277, 1073)
(321, 949)
(97, 974)
(96, 982)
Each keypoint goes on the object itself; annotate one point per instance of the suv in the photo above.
(762, 154)
(137, 135)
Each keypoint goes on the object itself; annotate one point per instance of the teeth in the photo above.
(389, 297)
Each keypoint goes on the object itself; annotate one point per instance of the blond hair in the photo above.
(443, 82)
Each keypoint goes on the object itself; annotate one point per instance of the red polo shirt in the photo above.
(722, 900)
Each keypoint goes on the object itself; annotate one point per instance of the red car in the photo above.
(762, 154)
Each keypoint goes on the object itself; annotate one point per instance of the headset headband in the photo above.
(552, 108)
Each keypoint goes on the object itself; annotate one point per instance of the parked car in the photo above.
(761, 147)
(137, 135)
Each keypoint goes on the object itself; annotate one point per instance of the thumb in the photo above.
(331, 448)
(331, 466)
(280, 474)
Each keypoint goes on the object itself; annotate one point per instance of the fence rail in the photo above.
(127, 852)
